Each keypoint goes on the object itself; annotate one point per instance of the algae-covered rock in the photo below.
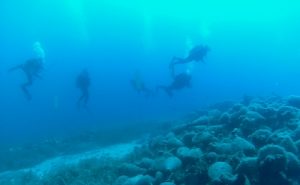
(225, 118)
(202, 120)
(158, 177)
(189, 154)
(145, 180)
(252, 120)
(187, 139)
(242, 145)
(223, 106)
(296, 133)
(168, 164)
(139, 180)
(293, 165)
(237, 114)
(210, 157)
(173, 141)
(203, 139)
(294, 101)
(220, 172)
(214, 117)
(260, 137)
(289, 145)
(286, 113)
(121, 180)
(131, 170)
(172, 163)
(146, 163)
(233, 145)
(272, 159)
(293, 124)
(283, 138)
(167, 183)
(272, 165)
(254, 116)
(248, 166)
(222, 148)
(297, 143)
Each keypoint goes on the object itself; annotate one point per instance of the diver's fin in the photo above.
(15, 68)
(26, 93)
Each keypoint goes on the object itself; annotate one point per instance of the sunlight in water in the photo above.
(205, 14)
(147, 31)
(252, 10)
(76, 10)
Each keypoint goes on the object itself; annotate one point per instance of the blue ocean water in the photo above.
(254, 50)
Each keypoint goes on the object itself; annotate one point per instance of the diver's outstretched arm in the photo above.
(15, 68)
(177, 60)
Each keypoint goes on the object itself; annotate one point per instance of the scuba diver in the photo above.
(83, 82)
(197, 53)
(180, 81)
(32, 69)
(139, 85)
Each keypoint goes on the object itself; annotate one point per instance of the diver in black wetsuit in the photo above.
(32, 69)
(180, 81)
(196, 54)
(83, 83)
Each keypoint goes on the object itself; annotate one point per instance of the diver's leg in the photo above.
(79, 101)
(83, 98)
(26, 92)
(86, 98)
(25, 85)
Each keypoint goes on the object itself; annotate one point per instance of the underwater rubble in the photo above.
(253, 142)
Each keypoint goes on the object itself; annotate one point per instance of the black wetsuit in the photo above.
(32, 69)
(196, 54)
(180, 81)
(83, 83)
